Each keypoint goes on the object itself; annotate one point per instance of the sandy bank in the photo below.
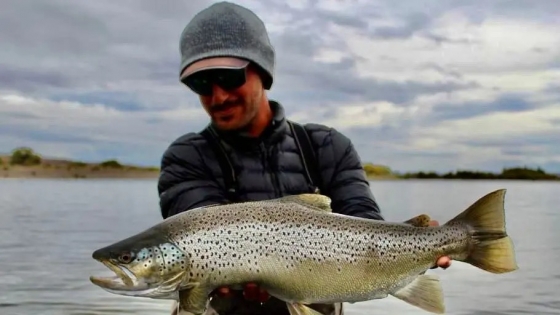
(54, 168)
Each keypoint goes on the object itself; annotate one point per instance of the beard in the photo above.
(234, 116)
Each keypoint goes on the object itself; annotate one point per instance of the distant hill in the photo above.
(26, 163)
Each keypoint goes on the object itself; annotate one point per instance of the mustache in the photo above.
(222, 106)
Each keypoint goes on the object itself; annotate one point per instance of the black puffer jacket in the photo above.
(266, 168)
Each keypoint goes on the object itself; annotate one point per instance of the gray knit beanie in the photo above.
(228, 30)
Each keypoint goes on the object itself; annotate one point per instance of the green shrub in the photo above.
(373, 170)
(24, 156)
(111, 163)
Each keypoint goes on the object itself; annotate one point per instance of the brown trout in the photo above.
(302, 253)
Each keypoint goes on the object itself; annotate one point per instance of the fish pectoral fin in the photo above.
(424, 292)
(193, 300)
(301, 309)
(171, 284)
(422, 220)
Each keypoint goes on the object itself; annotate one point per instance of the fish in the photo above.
(236, 303)
(302, 253)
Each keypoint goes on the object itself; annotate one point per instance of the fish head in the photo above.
(145, 265)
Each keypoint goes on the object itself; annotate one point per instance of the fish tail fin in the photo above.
(491, 248)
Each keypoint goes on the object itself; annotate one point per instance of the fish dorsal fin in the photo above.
(422, 220)
(315, 201)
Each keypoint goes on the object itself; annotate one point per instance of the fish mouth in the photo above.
(123, 281)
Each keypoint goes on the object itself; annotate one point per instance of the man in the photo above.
(250, 151)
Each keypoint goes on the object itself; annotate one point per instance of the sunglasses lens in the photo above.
(199, 85)
(230, 79)
(227, 79)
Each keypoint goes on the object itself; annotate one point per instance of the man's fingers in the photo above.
(223, 292)
(263, 295)
(434, 223)
(251, 291)
(444, 262)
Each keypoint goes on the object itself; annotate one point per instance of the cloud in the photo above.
(92, 131)
(430, 85)
(504, 103)
(71, 50)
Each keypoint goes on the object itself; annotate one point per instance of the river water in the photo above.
(49, 228)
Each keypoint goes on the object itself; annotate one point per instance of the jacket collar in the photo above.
(273, 133)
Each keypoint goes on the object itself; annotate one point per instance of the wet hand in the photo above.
(251, 292)
(442, 262)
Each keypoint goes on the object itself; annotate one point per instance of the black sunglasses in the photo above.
(228, 79)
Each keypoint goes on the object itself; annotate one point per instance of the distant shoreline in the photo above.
(82, 173)
(31, 165)
(53, 168)
(381, 172)
(60, 168)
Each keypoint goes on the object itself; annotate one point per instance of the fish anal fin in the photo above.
(422, 220)
(424, 292)
(301, 309)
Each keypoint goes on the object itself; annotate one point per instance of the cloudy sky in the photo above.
(426, 85)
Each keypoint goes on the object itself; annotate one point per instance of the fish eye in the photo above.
(126, 257)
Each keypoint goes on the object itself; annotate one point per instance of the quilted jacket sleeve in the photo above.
(345, 179)
(185, 182)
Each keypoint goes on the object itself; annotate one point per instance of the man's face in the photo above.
(231, 108)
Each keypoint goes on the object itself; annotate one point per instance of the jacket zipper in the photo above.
(267, 167)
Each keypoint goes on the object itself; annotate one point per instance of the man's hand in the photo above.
(445, 261)
(251, 292)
